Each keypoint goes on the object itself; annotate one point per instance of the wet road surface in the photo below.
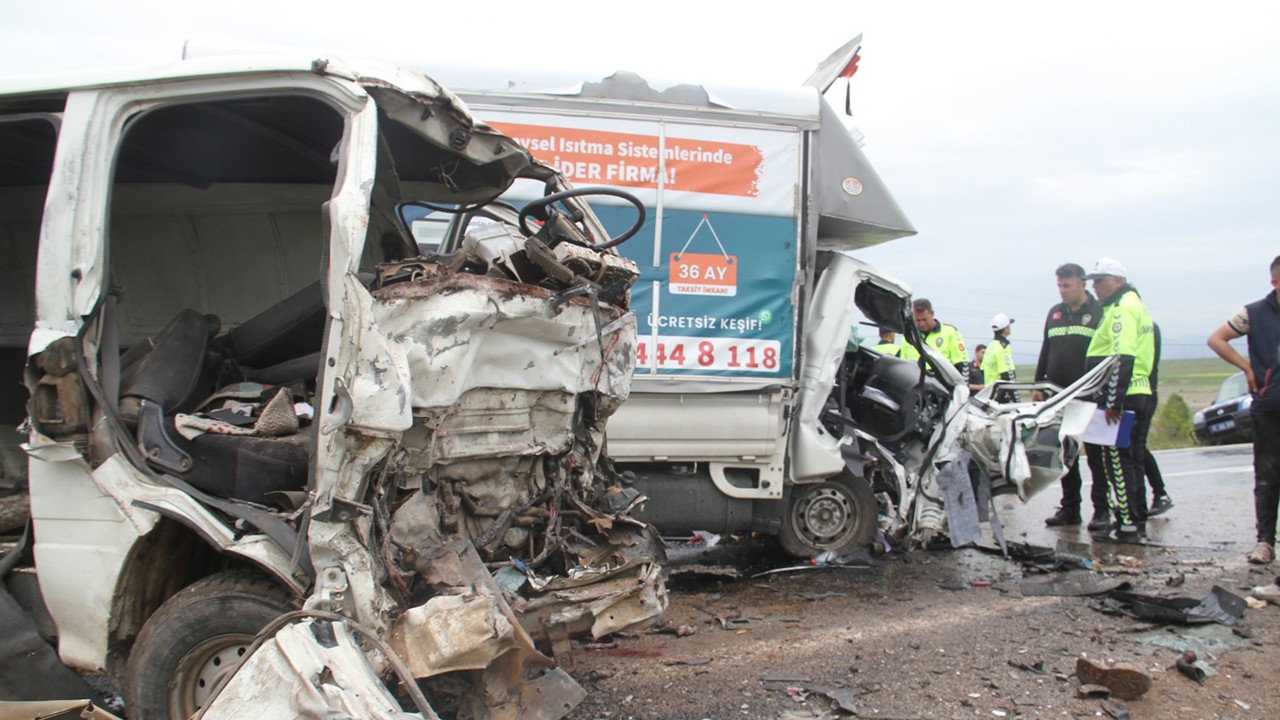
(1212, 492)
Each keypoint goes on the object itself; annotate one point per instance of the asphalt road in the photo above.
(1212, 491)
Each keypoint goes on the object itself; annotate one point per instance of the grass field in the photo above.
(1196, 380)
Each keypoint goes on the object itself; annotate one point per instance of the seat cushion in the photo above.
(247, 468)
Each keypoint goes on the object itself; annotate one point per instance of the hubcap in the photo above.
(824, 515)
(200, 671)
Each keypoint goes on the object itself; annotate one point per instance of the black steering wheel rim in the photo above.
(545, 201)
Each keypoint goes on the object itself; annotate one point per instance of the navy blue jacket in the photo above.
(1264, 353)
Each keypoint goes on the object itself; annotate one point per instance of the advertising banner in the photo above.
(718, 267)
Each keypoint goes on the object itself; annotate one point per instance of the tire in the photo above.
(195, 638)
(837, 515)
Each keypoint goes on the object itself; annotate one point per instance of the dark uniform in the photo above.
(1160, 501)
(1067, 335)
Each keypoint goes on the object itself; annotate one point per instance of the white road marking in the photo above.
(1236, 469)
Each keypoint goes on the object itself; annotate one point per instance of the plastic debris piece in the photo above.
(1219, 606)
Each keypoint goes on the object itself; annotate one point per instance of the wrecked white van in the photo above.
(749, 412)
(251, 401)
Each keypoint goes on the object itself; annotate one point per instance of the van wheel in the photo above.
(197, 637)
(837, 515)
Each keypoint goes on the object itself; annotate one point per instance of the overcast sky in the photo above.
(1015, 135)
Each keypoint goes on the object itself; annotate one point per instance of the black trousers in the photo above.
(1123, 468)
(1072, 483)
(1266, 474)
(1150, 468)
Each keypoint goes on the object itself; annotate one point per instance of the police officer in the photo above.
(976, 382)
(944, 338)
(1126, 331)
(1068, 329)
(887, 346)
(998, 363)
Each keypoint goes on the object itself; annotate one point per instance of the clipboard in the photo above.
(1099, 432)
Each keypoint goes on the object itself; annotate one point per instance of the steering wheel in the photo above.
(541, 208)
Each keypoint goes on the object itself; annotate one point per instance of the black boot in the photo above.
(1101, 520)
(1063, 518)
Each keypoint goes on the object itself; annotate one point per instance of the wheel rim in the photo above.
(200, 671)
(823, 517)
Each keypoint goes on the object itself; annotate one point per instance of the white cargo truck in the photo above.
(749, 412)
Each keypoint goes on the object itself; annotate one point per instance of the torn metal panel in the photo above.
(313, 669)
(53, 710)
(452, 632)
(458, 331)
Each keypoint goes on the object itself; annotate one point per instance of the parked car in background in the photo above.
(1227, 419)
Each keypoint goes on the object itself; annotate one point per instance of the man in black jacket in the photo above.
(1068, 328)
(1260, 322)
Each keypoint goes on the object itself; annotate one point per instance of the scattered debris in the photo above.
(1036, 667)
(1094, 691)
(1125, 681)
(1219, 606)
(54, 710)
(793, 679)
(1115, 709)
(1186, 664)
(844, 698)
(691, 661)
(678, 631)
(1074, 583)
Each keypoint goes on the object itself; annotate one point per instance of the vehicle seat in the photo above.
(246, 467)
(175, 370)
(172, 374)
(282, 344)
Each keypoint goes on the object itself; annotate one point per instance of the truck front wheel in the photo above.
(195, 638)
(838, 515)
